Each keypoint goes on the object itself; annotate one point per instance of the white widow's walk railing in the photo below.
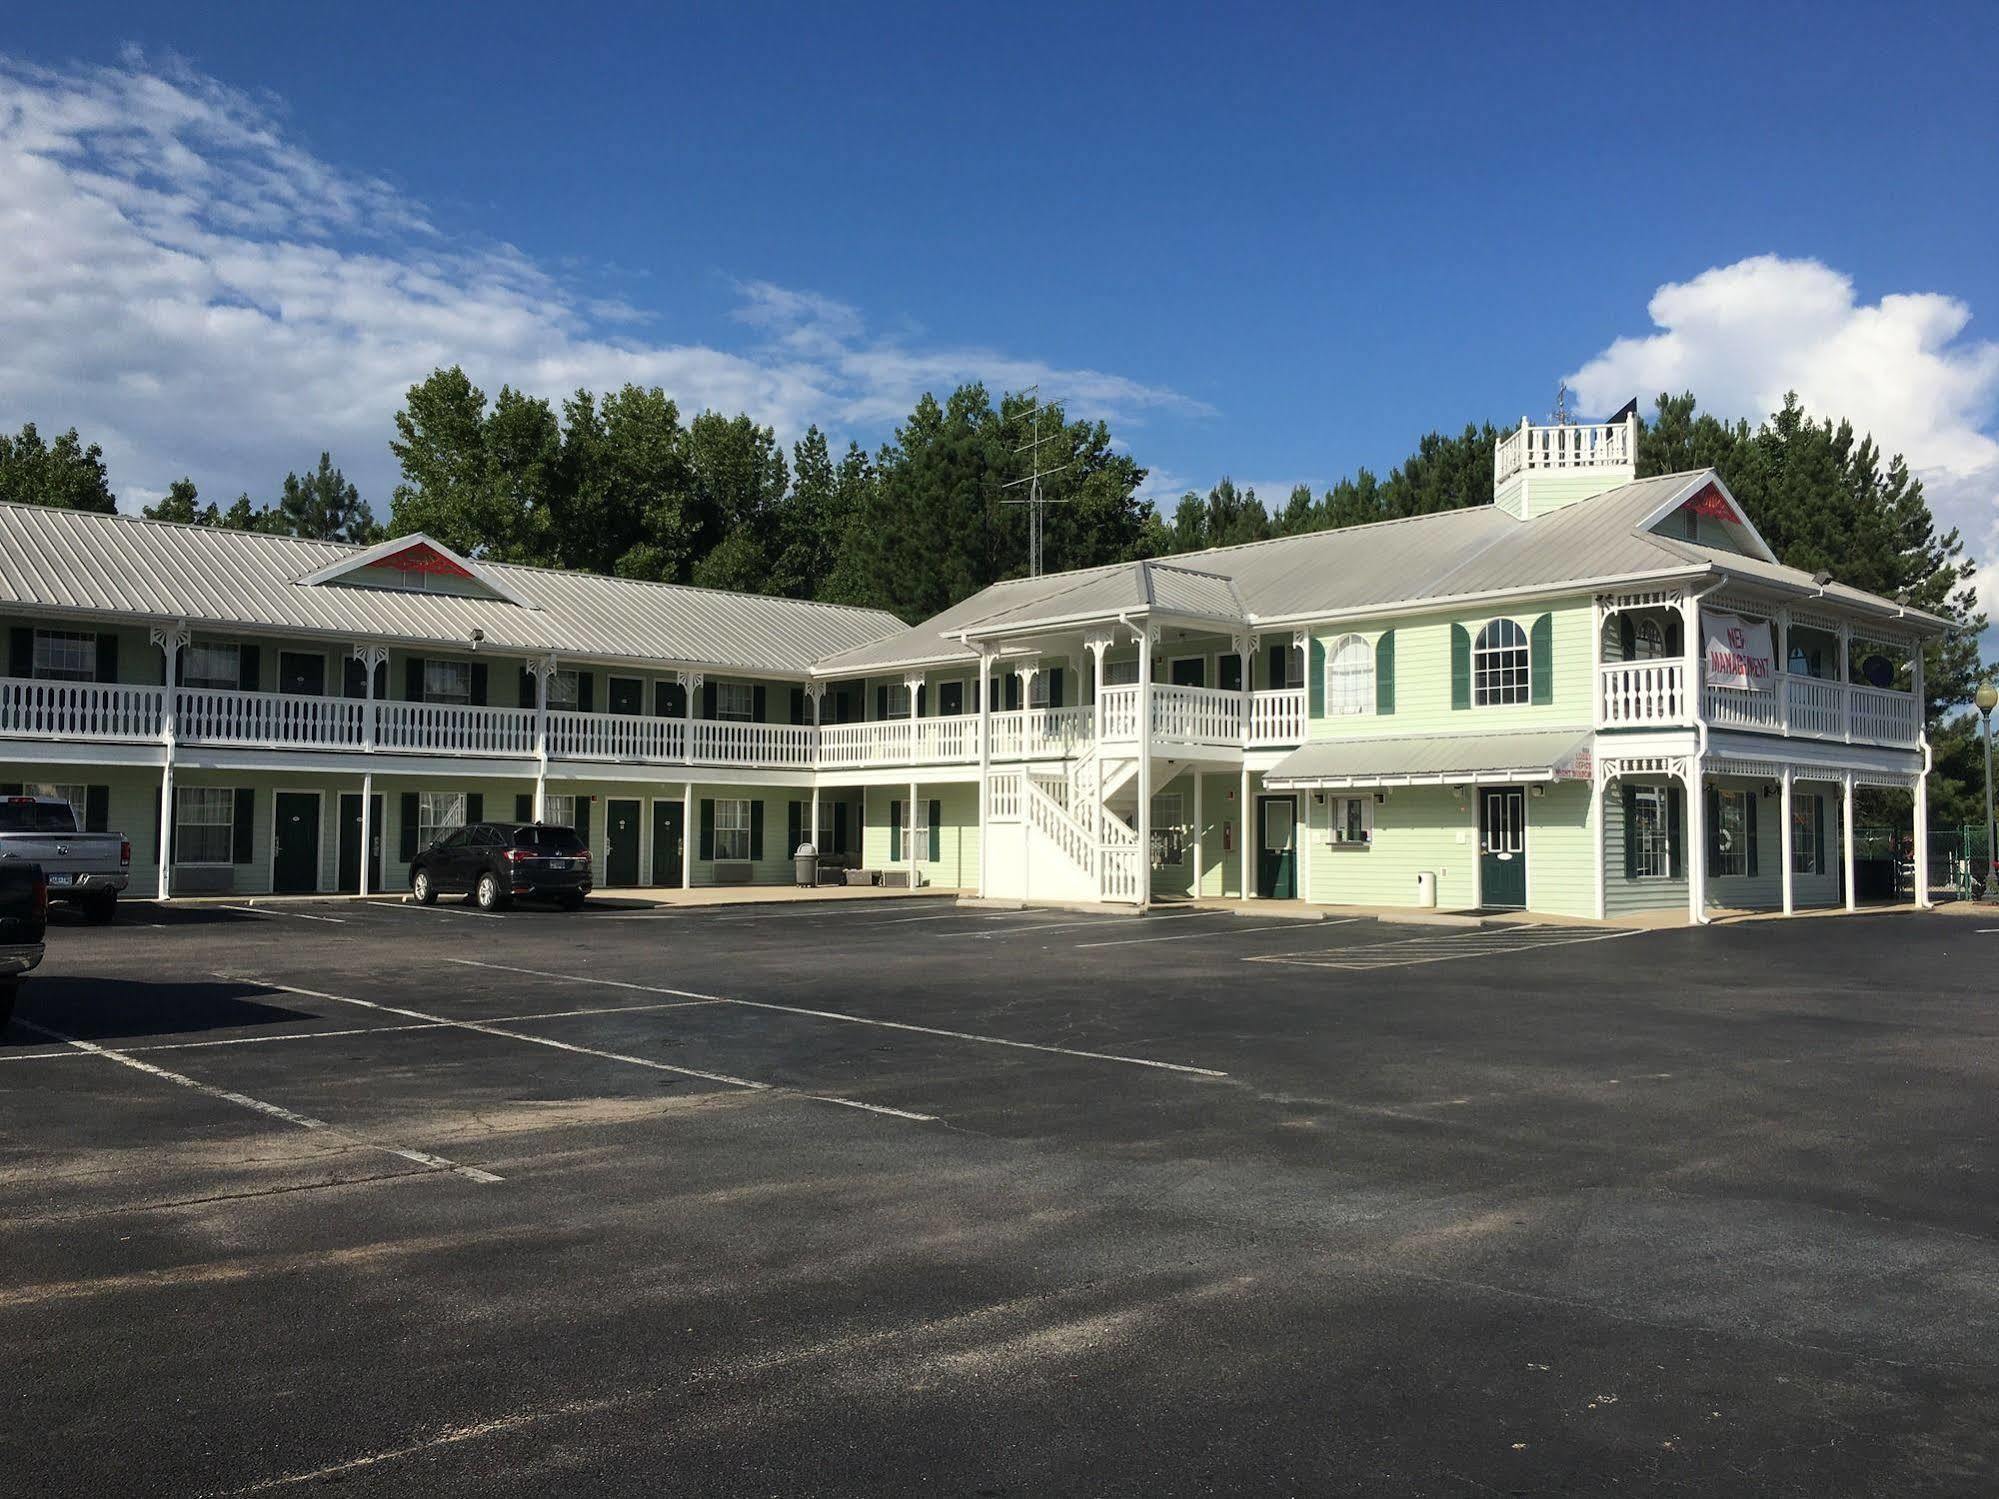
(1572, 445)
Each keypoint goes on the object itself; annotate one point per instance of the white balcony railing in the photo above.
(1649, 694)
(1276, 717)
(1571, 445)
(621, 737)
(454, 729)
(282, 720)
(1196, 715)
(80, 710)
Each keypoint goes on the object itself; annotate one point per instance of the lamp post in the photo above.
(1987, 698)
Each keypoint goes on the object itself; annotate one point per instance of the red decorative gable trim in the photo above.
(421, 558)
(1709, 501)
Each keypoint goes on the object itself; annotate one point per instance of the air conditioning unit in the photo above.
(736, 872)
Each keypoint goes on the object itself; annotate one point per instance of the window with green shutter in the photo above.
(1541, 646)
(1384, 673)
(1460, 667)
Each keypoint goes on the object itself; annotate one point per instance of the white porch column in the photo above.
(1145, 639)
(1922, 786)
(913, 685)
(372, 659)
(1846, 827)
(687, 835)
(690, 685)
(1696, 860)
(984, 692)
(367, 826)
(1200, 844)
(1597, 616)
(1781, 648)
(172, 640)
(1096, 645)
(1597, 787)
(1690, 629)
(1243, 821)
(1784, 838)
(542, 670)
(909, 829)
(1846, 681)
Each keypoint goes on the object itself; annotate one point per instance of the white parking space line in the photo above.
(401, 905)
(272, 1110)
(487, 1028)
(362, 1030)
(1241, 931)
(1057, 926)
(1489, 942)
(295, 915)
(891, 1025)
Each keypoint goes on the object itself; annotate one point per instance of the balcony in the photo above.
(1564, 447)
(1653, 694)
(1182, 717)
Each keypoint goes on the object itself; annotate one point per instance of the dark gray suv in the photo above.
(493, 862)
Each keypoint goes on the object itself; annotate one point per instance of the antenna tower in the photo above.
(1036, 500)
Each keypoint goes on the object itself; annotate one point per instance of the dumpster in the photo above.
(805, 864)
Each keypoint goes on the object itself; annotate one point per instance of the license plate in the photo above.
(61, 881)
(558, 863)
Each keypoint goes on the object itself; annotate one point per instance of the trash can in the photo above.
(805, 864)
(1426, 889)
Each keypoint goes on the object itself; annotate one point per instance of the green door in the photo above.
(1502, 847)
(295, 856)
(621, 842)
(669, 835)
(1277, 847)
(350, 843)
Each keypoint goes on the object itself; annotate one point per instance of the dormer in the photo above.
(1538, 469)
(415, 564)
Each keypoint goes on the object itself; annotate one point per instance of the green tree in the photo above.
(450, 490)
(178, 505)
(64, 473)
(325, 506)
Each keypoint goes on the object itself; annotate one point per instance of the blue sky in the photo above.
(1278, 243)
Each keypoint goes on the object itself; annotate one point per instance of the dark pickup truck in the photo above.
(24, 921)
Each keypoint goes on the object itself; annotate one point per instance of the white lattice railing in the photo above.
(80, 710)
(625, 737)
(1196, 715)
(1635, 693)
(1277, 717)
(285, 720)
(454, 728)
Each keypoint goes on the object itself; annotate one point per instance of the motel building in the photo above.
(1595, 697)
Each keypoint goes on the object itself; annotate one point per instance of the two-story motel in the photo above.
(1598, 695)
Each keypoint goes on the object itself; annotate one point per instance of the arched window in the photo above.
(1350, 677)
(1648, 640)
(1499, 665)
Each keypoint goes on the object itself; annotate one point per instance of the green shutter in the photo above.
(1541, 659)
(586, 692)
(839, 827)
(1315, 678)
(759, 702)
(936, 831)
(1675, 815)
(475, 807)
(1384, 673)
(1055, 686)
(1627, 638)
(1712, 802)
(406, 831)
(1818, 834)
(794, 820)
(97, 809)
(707, 828)
(523, 806)
(245, 831)
(1630, 843)
(583, 819)
(895, 832)
(756, 830)
(477, 692)
(1460, 667)
(249, 675)
(1749, 816)
(107, 656)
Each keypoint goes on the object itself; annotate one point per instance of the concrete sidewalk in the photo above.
(636, 898)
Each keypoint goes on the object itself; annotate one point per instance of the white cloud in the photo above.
(1739, 336)
(186, 286)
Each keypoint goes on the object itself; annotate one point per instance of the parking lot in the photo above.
(902, 1197)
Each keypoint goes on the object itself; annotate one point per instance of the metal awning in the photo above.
(1434, 760)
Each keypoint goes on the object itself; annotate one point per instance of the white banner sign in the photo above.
(1739, 654)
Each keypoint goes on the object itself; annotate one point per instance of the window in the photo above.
(1169, 838)
(1499, 665)
(447, 682)
(732, 829)
(1806, 855)
(563, 691)
(437, 812)
(209, 664)
(74, 795)
(559, 811)
(1037, 689)
(66, 655)
(1352, 821)
(736, 701)
(1648, 640)
(1649, 836)
(1350, 677)
(897, 700)
(204, 824)
(1731, 846)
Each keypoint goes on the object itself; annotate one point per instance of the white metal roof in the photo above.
(69, 560)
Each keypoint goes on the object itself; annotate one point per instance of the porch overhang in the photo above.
(1463, 760)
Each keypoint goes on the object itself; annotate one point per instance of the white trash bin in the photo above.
(1426, 889)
